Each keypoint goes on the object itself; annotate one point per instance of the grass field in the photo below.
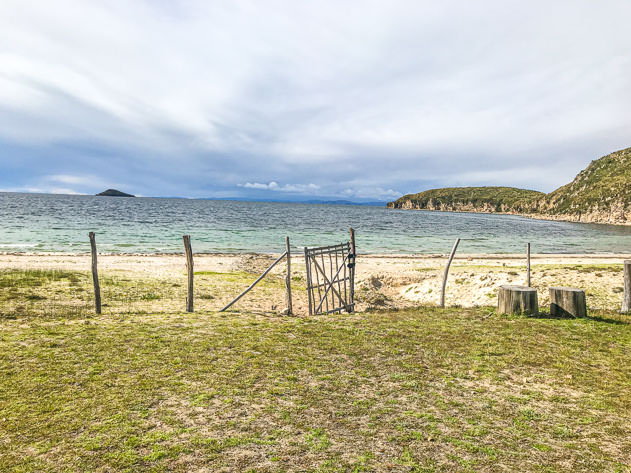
(415, 390)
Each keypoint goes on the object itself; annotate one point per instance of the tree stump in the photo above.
(517, 300)
(626, 301)
(567, 302)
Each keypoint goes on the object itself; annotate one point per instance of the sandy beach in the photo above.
(151, 283)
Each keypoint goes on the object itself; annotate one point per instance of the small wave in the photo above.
(18, 245)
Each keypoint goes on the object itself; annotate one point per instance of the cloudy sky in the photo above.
(304, 99)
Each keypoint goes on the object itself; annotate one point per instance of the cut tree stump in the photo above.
(517, 300)
(626, 301)
(567, 302)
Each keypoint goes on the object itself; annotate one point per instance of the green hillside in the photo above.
(605, 185)
(601, 193)
(490, 198)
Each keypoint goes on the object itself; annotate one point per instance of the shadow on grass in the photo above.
(598, 317)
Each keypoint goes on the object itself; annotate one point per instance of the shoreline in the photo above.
(542, 217)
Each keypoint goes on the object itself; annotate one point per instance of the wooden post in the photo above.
(517, 300)
(307, 268)
(567, 301)
(189, 267)
(288, 278)
(528, 264)
(95, 274)
(626, 301)
(451, 257)
(351, 302)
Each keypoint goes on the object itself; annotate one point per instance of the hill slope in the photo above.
(470, 199)
(601, 193)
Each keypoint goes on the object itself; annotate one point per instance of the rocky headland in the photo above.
(601, 193)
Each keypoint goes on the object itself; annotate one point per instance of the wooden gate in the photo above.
(331, 277)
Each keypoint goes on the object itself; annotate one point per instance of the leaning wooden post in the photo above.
(451, 257)
(288, 278)
(254, 283)
(352, 260)
(189, 267)
(95, 275)
(528, 264)
(626, 302)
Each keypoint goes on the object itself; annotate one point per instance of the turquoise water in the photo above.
(60, 223)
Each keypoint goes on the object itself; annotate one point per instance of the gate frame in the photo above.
(347, 302)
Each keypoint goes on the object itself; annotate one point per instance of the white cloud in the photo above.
(42, 190)
(372, 192)
(63, 190)
(370, 96)
(273, 186)
(300, 188)
(257, 185)
(70, 179)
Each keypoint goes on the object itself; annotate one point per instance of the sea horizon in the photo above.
(313, 201)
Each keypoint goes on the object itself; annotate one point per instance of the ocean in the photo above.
(60, 223)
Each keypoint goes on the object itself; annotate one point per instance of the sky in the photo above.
(293, 100)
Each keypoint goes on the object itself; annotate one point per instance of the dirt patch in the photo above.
(255, 264)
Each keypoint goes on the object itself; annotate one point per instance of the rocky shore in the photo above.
(617, 215)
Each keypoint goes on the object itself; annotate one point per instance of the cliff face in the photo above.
(600, 194)
(471, 199)
(437, 205)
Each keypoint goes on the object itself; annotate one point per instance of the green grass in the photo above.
(54, 293)
(416, 390)
(581, 268)
(12, 278)
(240, 277)
(43, 292)
(147, 388)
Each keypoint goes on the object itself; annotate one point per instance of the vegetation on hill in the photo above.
(600, 193)
(486, 198)
(604, 184)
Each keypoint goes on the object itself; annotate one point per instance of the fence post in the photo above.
(626, 302)
(288, 278)
(189, 267)
(308, 273)
(95, 274)
(354, 257)
(528, 264)
(451, 257)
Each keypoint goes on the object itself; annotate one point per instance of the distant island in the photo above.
(114, 193)
(601, 193)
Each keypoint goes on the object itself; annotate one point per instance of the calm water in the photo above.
(60, 223)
